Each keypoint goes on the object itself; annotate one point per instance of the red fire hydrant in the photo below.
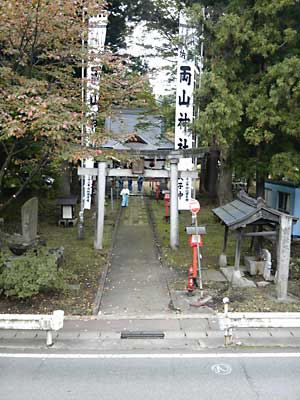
(194, 240)
(167, 205)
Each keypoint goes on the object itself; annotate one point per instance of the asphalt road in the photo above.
(171, 376)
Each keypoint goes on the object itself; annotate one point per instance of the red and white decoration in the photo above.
(194, 206)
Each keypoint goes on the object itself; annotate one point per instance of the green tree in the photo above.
(123, 17)
(40, 88)
(40, 91)
(249, 96)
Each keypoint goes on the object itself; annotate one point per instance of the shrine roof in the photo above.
(245, 211)
(135, 129)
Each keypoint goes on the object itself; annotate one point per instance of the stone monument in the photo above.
(18, 244)
(29, 215)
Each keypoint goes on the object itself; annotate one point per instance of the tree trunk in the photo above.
(224, 188)
(249, 183)
(24, 184)
(260, 175)
(260, 185)
(65, 180)
(214, 155)
(203, 174)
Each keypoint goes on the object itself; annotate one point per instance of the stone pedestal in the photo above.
(253, 266)
(283, 256)
(222, 261)
(29, 214)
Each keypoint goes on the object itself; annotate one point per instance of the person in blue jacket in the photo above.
(130, 184)
(120, 183)
(140, 181)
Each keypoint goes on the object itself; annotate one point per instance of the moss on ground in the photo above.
(249, 299)
(82, 266)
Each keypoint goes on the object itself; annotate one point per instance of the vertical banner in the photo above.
(184, 108)
(95, 45)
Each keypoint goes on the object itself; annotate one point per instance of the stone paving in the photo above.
(135, 283)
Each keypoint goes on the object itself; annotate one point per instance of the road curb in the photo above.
(115, 317)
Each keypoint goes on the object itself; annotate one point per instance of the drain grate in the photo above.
(142, 335)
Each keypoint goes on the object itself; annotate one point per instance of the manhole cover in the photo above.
(221, 369)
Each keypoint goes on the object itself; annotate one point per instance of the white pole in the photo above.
(49, 341)
(174, 223)
(80, 232)
(98, 244)
(112, 197)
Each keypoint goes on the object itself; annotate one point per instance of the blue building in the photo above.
(285, 197)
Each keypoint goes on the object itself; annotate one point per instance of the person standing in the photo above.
(140, 181)
(130, 184)
(120, 183)
(125, 196)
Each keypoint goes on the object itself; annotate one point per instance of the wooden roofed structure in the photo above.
(250, 217)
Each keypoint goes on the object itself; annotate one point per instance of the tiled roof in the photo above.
(245, 211)
(138, 124)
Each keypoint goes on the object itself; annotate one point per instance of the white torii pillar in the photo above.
(98, 243)
(102, 172)
(174, 220)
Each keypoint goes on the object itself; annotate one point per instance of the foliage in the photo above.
(160, 15)
(122, 84)
(40, 88)
(29, 274)
(82, 268)
(167, 110)
(249, 95)
(286, 166)
(123, 16)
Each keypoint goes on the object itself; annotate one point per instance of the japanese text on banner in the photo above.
(184, 108)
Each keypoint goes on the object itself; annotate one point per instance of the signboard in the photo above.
(96, 39)
(88, 185)
(138, 166)
(184, 108)
(194, 206)
(196, 239)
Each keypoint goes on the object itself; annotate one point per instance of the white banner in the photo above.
(184, 108)
(88, 185)
(96, 40)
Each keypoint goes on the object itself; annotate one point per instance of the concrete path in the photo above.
(135, 283)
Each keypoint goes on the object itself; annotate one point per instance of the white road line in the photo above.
(150, 356)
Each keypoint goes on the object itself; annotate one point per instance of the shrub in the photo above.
(27, 275)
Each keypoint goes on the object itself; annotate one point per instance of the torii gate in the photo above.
(102, 172)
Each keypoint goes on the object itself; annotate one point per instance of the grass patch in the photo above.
(82, 266)
(212, 241)
(250, 299)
